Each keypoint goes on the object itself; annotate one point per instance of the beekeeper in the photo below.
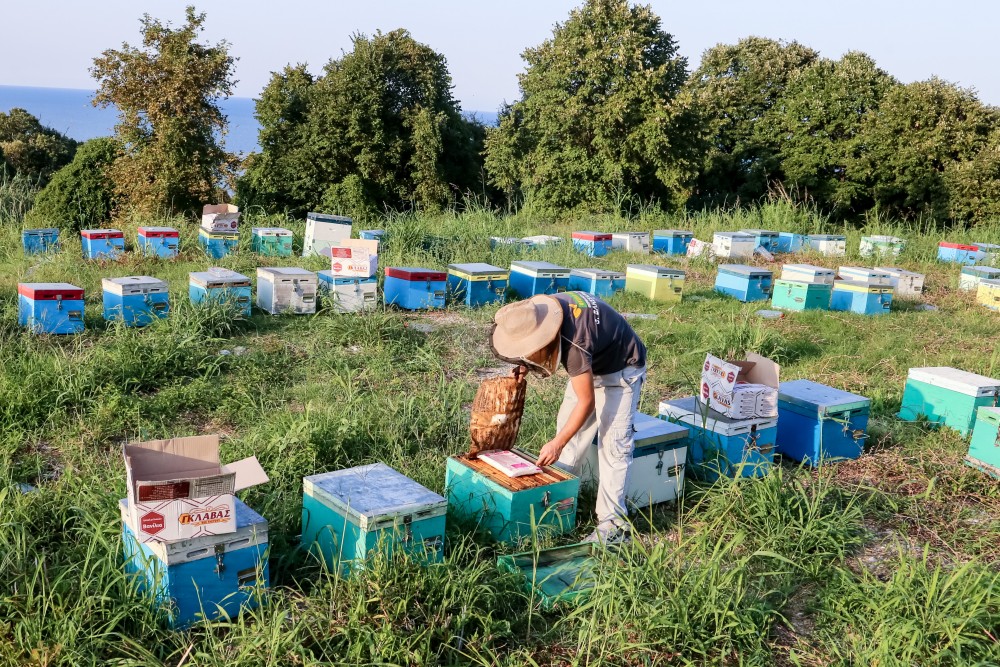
(606, 363)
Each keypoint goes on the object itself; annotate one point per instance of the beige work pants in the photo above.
(616, 400)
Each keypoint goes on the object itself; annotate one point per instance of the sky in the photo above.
(51, 43)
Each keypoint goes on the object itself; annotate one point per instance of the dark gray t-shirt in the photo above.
(595, 337)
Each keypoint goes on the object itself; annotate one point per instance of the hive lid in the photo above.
(736, 236)
(159, 231)
(985, 271)
(743, 270)
(958, 246)
(101, 233)
(954, 379)
(539, 266)
(41, 231)
(659, 271)
(477, 268)
(331, 277)
(808, 268)
(371, 493)
(284, 272)
(414, 273)
(597, 274)
(270, 231)
(760, 232)
(50, 291)
(896, 272)
(819, 398)
(592, 236)
(672, 232)
(827, 237)
(119, 285)
(217, 276)
(637, 235)
(325, 217)
(651, 431)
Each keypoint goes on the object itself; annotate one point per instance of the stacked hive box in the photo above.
(528, 279)
(350, 515)
(863, 291)
(477, 284)
(324, 231)
(657, 283)
(348, 295)
(219, 233)
(159, 241)
(764, 238)
(905, 284)
(631, 242)
(656, 473)
(746, 283)
(958, 253)
(286, 290)
(722, 447)
(828, 244)
(734, 245)
(135, 300)
(595, 244)
(220, 286)
(414, 288)
(803, 287)
(271, 241)
(37, 241)
(53, 308)
(671, 241)
(599, 282)
(102, 243)
(888, 246)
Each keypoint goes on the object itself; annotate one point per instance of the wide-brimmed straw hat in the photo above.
(525, 327)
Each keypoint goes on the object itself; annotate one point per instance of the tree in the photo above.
(170, 124)
(929, 149)
(816, 124)
(737, 86)
(378, 129)
(80, 194)
(30, 149)
(601, 115)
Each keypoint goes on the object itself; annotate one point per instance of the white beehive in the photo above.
(286, 290)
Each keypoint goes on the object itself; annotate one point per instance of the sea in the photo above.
(69, 110)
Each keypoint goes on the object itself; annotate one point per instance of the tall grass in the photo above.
(717, 578)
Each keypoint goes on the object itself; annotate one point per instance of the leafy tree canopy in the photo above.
(170, 124)
(601, 115)
(378, 129)
(737, 86)
(80, 194)
(30, 149)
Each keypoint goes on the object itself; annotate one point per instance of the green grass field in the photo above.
(888, 560)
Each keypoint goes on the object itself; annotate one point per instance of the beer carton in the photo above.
(354, 258)
(177, 489)
(220, 218)
(741, 389)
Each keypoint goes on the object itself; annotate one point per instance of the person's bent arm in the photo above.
(583, 387)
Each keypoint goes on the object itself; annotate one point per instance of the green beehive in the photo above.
(511, 508)
(947, 396)
(800, 295)
(563, 574)
(272, 241)
(984, 452)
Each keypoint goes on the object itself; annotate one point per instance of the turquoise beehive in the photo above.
(947, 396)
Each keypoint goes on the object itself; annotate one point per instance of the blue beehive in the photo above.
(790, 242)
(599, 282)
(947, 396)
(220, 286)
(348, 515)
(859, 297)
(671, 241)
(159, 241)
(766, 239)
(720, 446)
(414, 288)
(201, 578)
(102, 243)
(37, 241)
(371, 234)
(135, 300)
(476, 284)
(53, 308)
(218, 244)
(959, 253)
(595, 244)
(510, 509)
(817, 423)
(746, 283)
(530, 278)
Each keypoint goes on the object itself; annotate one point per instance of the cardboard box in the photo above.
(177, 489)
(696, 248)
(741, 389)
(220, 218)
(354, 258)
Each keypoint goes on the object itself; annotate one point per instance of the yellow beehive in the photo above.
(658, 283)
(988, 294)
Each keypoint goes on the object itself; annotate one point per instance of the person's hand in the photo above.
(549, 454)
